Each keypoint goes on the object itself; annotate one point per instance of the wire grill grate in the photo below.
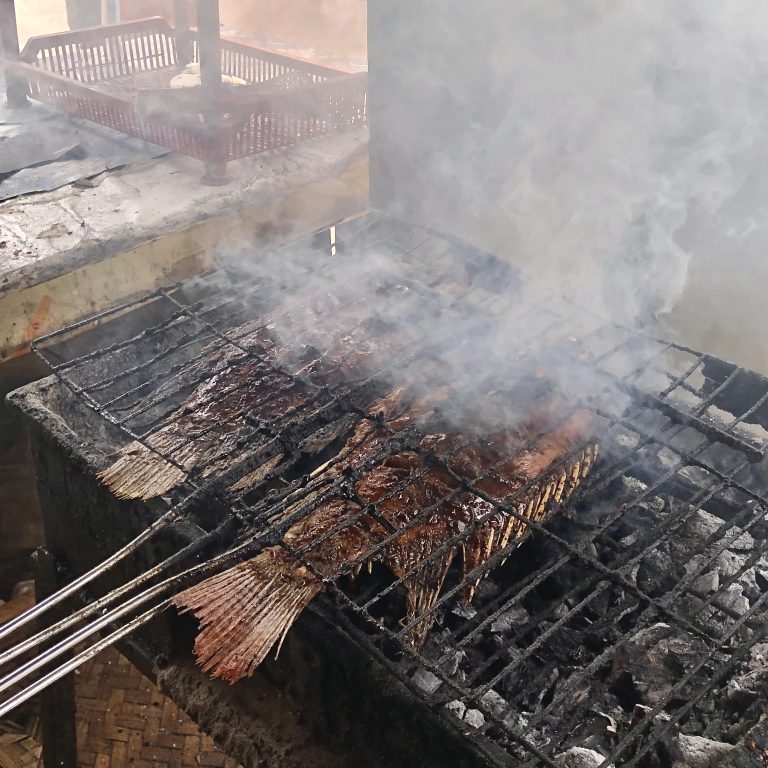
(658, 563)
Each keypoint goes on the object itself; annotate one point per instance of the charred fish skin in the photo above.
(425, 505)
(206, 430)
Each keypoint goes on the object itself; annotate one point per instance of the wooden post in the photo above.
(15, 85)
(57, 703)
(181, 29)
(110, 12)
(209, 47)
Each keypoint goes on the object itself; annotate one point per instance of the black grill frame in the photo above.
(351, 400)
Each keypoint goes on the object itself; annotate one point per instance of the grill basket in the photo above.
(97, 74)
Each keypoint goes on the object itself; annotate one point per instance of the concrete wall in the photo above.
(334, 28)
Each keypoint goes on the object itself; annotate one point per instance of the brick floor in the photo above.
(123, 720)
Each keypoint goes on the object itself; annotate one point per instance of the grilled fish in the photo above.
(411, 511)
(236, 389)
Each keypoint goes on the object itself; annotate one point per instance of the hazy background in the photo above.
(325, 28)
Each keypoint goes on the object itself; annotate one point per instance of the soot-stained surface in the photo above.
(123, 719)
(20, 523)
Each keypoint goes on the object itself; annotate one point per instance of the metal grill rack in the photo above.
(553, 651)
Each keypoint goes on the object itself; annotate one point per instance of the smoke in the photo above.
(581, 140)
(584, 142)
(400, 306)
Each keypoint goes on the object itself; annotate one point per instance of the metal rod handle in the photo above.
(86, 578)
(47, 680)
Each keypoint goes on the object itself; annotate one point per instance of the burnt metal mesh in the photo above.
(639, 614)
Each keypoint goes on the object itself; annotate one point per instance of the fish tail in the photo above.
(245, 611)
(421, 593)
(141, 473)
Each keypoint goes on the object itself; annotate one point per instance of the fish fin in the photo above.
(245, 611)
(141, 473)
(479, 543)
(422, 591)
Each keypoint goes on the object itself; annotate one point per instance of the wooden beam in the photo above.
(209, 47)
(57, 703)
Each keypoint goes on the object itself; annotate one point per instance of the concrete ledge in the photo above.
(70, 253)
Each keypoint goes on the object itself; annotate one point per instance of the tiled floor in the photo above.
(123, 720)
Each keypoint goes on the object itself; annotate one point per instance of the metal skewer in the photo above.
(49, 602)
(102, 602)
(51, 677)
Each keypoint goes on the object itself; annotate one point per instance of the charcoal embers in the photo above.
(654, 661)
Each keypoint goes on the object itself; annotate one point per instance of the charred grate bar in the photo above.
(611, 628)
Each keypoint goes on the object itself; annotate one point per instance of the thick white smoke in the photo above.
(594, 137)
(630, 117)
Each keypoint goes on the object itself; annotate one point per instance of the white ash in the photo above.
(474, 718)
(753, 680)
(630, 540)
(626, 440)
(697, 476)
(726, 563)
(758, 656)
(463, 610)
(698, 752)
(654, 504)
(510, 620)
(427, 681)
(519, 723)
(701, 525)
(580, 757)
(494, 703)
(707, 582)
(734, 599)
(456, 707)
(736, 596)
(668, 458)
(632, 488)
